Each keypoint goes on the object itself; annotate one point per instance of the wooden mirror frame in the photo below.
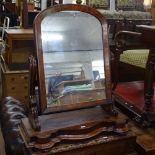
(39, 55)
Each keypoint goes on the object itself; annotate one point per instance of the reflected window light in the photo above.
(97, 65)
(52, 37)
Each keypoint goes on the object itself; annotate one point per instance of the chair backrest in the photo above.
(5, 26)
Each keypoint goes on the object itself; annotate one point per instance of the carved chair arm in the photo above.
(126, 40)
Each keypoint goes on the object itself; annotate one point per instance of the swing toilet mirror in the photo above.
(73, 62)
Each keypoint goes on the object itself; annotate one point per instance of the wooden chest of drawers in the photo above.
(15, 83)
(14, 65)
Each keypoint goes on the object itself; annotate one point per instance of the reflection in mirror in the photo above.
(73, 58)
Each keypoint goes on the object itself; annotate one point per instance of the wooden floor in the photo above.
(145, 139)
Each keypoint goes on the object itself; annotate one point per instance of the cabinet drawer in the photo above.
(16, 79)
(22, 89)
(15, 84)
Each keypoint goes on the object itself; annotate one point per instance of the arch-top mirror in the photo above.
(72, 58)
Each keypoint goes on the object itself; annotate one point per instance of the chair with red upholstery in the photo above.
(136, 98)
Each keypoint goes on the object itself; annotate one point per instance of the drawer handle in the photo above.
(25, 77)
(12, 79)
(13, 88)
(26, 97)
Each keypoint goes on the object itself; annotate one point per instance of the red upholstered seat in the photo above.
(137, 98)
(132, 94)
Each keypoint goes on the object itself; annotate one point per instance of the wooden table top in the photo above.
(21, 34)
(19, 31)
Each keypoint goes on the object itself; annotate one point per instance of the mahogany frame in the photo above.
(39, 55)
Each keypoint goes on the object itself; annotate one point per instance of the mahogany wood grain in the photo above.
(41, 74)
(84, 125)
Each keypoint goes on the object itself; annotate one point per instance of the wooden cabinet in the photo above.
(20, 45)
(15, 83)
(14, 66)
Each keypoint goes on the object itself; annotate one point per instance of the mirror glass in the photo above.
(72, 49)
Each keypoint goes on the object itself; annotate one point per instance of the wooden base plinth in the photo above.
(84, 131)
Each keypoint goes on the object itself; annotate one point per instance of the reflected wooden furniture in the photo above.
(71, 95)
(137, 98)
